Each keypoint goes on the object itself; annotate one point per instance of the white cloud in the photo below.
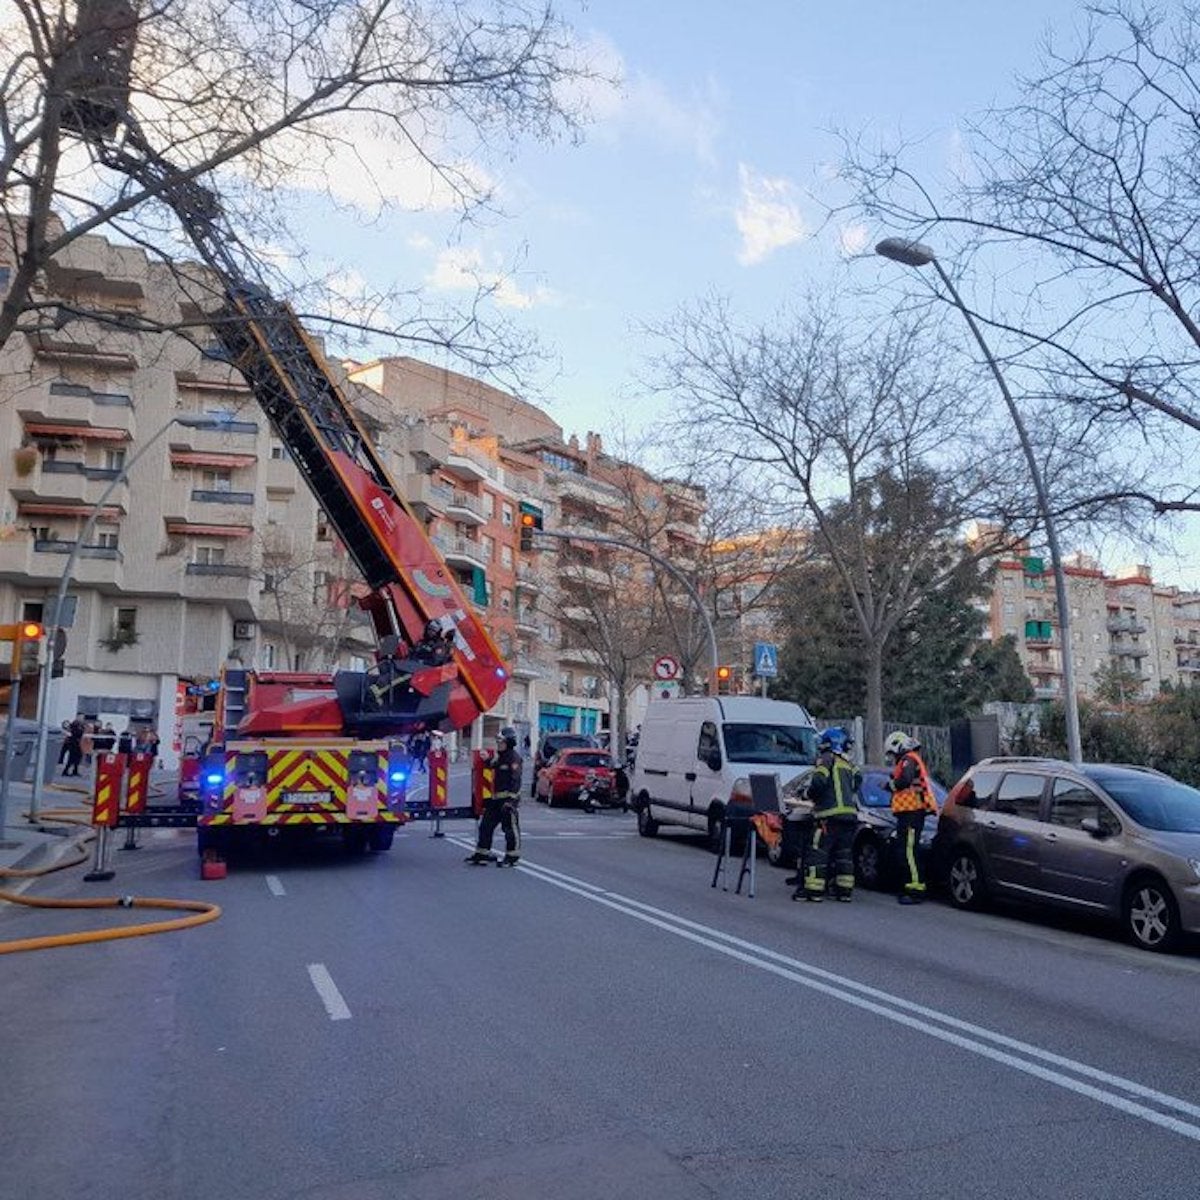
(620, 102)
(853, 238)
(462, 269)
(768, 216)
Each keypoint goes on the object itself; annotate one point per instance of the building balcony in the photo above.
(59, 483)
(1047, 691)
(523, 667)
(1126, 624)
(428, 499)
(76, 404)
(465, 508)
(579, 573)
(579, 654)
(468, 465)
(460, 551)
(1186, 637)
(1129, 650)
(526, 622)
(230, 583)
(591, 491)
(43, 560)
(529, 580)
(1189, 665)
(108, 357)
(222, 507)
(577, 614)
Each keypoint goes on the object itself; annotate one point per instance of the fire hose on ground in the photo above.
(201, 911)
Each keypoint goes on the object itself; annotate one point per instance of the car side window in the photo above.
(1020, 795)
(977, 790)
(708, 744)
(1071, 804)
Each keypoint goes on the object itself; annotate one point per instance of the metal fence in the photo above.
(934, 739)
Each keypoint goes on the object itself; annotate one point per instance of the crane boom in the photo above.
(410, 583)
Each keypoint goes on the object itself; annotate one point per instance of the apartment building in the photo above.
(1123, 620)
(504, 453)
(202, 529)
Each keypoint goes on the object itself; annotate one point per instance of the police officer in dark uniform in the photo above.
(833, 790)
(501, 809)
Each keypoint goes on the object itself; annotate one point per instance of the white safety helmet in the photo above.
(899, 743)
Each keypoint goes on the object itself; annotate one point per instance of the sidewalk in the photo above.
(26, 845)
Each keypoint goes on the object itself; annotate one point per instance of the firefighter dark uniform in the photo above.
(501, 809)
(832, 790)
(912, 801)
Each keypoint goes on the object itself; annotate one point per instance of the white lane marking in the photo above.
(275, 885)
(335, 1006)
(972, 1038)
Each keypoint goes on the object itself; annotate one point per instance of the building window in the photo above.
(108, 536)
(506, 556)
(278, 453)
(323, 534)
(216, 480)
(125, 622)
(489, 505)
(506, 515)
(210, 556)
(33, 610)
(268, 655)
(321, 582)
(506, 601)
(270, 581)
(489, 548)
(114, 460)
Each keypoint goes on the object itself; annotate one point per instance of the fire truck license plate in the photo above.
(308, 797)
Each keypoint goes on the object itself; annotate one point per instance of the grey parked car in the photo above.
(1117, 841)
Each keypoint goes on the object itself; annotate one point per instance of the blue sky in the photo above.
(707, 172)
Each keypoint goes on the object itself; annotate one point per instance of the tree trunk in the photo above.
(874, 702)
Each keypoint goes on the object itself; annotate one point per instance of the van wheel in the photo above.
(647, 825)
(716, 831)
(1151, 916)
(966, 886)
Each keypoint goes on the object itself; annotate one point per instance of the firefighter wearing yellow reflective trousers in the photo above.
(501, 809)
(912, 801)
(833, 790)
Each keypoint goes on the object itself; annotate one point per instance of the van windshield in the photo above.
(787, 745)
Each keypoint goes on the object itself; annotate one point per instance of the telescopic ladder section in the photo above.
(410, 582)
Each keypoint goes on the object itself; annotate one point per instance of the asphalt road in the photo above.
(599, 1023)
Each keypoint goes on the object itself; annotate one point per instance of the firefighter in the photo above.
(501, 809)
(833, 790)
(912, 801)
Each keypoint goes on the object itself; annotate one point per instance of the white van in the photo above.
(691, 751)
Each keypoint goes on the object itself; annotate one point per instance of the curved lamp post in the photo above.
(65, 582)
(915, 254)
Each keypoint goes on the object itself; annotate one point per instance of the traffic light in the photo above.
(27, 648)
(531, 520)
(25, 641)
(722, 680)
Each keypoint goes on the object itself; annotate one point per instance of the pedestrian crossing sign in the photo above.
(766, 660)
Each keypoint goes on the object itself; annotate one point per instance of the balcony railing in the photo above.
(229, 570)
(1126, 625)
(216, 496)
(57, 546)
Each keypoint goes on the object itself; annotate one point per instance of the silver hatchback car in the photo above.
(1113, 840)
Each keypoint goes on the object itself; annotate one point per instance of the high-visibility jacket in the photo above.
(833, 786)
(508, 776)
(911, 789)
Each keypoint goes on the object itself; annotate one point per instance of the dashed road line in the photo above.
(275, 885)
(335, 1006)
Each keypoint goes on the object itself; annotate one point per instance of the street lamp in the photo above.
(915, 254)
(53, 626)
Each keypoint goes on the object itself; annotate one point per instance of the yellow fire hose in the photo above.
(202, 911)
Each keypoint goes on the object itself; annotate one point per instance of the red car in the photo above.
(561, 778)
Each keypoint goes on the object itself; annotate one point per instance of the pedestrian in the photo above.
(89, 741)
(501, 809)
(833, 789)
(151, 744)
(912, 801)
(62, 750)
(74, 747)
(125, 742)
(106, 740)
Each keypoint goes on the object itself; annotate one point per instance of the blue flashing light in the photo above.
(214, 779)
(398, 776)
(501, 673)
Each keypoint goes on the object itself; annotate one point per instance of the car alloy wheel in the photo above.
(1150, 915)
(966, 882)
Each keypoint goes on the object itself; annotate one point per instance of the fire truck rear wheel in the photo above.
(381, 838)
(355, 839)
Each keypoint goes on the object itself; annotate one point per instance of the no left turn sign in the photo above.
(666, 668)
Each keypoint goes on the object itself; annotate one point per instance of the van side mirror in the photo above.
(713, 761)
(1093, 827)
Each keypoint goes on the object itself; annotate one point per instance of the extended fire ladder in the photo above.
(260, 336)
